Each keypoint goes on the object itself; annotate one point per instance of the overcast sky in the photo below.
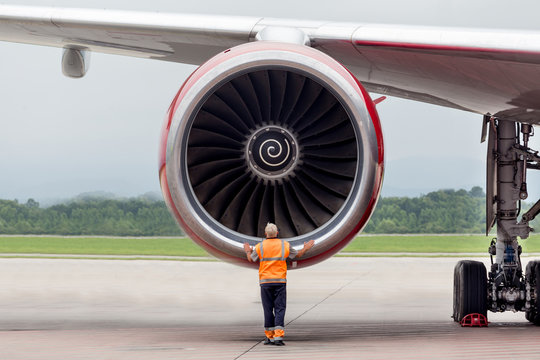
(60, 137)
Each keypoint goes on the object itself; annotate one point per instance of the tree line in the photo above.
(129, 217)
(443, 211)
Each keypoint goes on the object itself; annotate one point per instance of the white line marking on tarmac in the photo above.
(320, 302)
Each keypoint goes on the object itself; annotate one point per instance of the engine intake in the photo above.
(271, 132)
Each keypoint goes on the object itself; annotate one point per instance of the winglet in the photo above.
(379, 100)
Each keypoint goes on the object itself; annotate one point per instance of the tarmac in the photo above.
(344, 308)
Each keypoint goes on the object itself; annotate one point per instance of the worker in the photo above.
(272, 254)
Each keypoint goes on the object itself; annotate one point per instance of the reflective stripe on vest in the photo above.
(265, 281)
(272, 266)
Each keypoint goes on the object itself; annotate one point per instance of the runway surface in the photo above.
(346, 308)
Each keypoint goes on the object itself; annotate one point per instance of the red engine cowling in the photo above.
(271, 132)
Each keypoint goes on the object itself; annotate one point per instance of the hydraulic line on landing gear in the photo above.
(531, 214)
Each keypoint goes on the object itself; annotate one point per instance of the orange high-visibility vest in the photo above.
(273, 254)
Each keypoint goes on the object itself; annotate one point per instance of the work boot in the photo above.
(267, 341)
(279, 342)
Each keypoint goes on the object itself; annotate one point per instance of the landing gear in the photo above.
(470, 289)
(505, 287)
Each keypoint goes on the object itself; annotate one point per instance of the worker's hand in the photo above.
(308, 245)
(247, 248)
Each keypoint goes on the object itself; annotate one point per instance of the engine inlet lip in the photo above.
(345, 222)
(272, 152)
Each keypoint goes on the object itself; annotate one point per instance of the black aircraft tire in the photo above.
(457, 272)
(530, 273)
(470, 289)
(536, 304)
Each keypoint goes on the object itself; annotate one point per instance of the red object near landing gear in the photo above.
(474, 320)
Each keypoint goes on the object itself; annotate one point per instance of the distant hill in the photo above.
(99, 195)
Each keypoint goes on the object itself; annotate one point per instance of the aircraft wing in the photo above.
(493, 72)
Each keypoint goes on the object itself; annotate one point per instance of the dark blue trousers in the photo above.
(274, 301)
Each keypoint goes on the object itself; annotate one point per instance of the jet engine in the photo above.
(271, 132)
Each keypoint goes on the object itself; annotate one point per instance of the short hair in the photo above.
(271, 230)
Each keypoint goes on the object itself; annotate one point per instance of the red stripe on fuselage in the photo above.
(435, 47)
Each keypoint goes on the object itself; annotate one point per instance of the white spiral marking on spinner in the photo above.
(271, 152)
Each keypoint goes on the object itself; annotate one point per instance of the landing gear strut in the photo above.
(505, 287)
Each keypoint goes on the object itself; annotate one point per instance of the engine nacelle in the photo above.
(271, 132)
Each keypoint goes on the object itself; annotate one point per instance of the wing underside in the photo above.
(485, 71)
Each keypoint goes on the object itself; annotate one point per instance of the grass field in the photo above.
(100, 246)
(185, 247)
(431, 244)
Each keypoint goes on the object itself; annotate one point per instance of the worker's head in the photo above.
(270, 230)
